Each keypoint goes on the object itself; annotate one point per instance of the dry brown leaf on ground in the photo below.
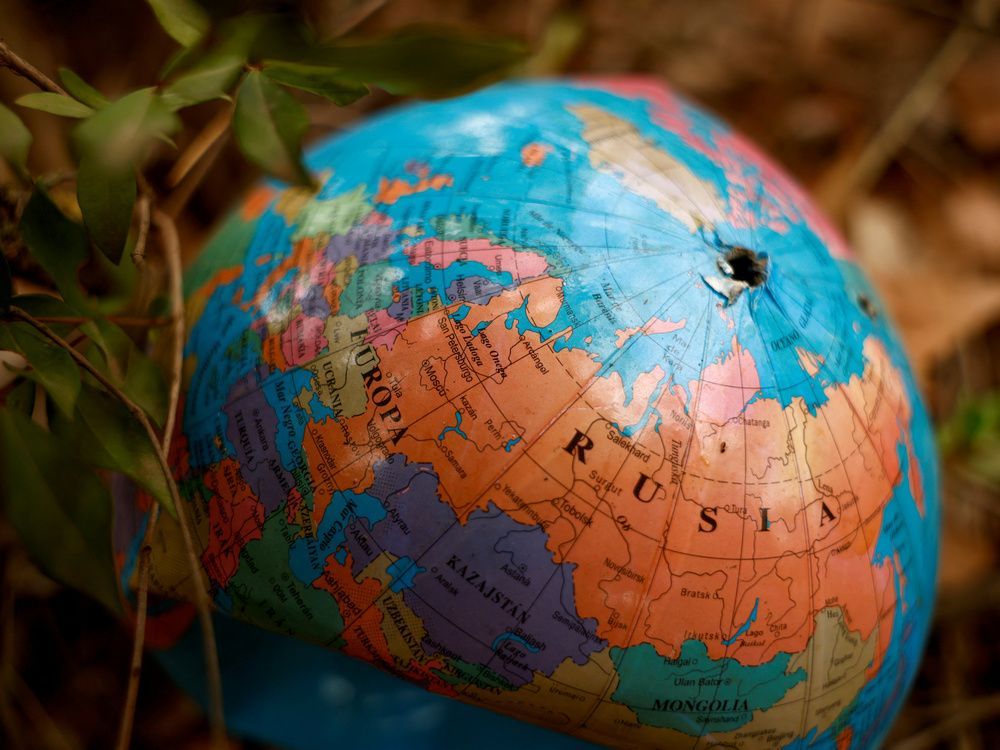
(976, 100)
(934, 308)
(972, 213)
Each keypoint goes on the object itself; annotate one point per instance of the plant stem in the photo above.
(15, 63)
(125, 321)
(175, 201)
(195, 168)
(8, 718)
(216, 128)
(172, 252)
(139, 251)
(201, 595)
(138, 641)
(913, 109)
(84, 363)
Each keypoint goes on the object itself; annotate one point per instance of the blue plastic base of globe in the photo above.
(302, 697)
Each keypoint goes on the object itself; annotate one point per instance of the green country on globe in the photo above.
(561, 400)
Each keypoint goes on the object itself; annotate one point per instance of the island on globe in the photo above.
(558, 399)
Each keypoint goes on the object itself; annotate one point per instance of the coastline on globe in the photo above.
(561, 400)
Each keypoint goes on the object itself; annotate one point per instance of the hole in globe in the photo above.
(743, 264)
(867, 306)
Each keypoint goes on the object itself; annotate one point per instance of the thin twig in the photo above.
(128, 403)
(139, 251)
(8, 718)
(969, 711)
(139, 639)
(172, 252)
(15, 63)
(195, 167)
(125, 321)
(956, 17)
(201, 596)
(912, 109)
(214, 129)
(52, 735)
(175, 201)
(361, 13)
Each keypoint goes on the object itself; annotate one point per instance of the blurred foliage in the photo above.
(970, 440)
(88, 243)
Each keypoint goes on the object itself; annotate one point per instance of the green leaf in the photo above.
(55, 104)
(110, 436)
(15, 139)
(106, 197)
(6, 285)
(184, 20)
(118, 283)
(113, 345)
(561, 38)
(80, 90)
(420, 60)
(144, 384)
(128, 368)
(51, 366)
(120, 133)
(44, 306)
(61, 510)
(235, 36)
(269, 124)
(210, 78)
(57, 243)
(21, 398)
(262, 36)
(47, 306)
(179, 61)
(316, 79)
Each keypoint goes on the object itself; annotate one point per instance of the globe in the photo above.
(561, 400)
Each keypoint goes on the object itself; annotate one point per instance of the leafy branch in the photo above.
(19, 66)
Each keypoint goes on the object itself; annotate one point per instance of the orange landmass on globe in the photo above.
(724, 388)
(481, 377)
(712, 452)
(362, 634)
(715, 564)
(391, 190)
(650, 328)
(272, 351)
(810, 362)
(235, 517)
(533, 154)
(915, 476)
(256, 202)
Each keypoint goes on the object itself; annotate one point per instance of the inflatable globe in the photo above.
(560, 400)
